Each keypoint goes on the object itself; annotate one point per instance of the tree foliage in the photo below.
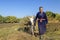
(1, 19)
(9, 19)
(50, 14)
(57, 17)
(13, 19)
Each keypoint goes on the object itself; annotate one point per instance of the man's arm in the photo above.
(46, 18)
(35, 19)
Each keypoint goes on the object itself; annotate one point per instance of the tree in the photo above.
(57, 17)
(17, 20)
(1, 19)
(10, 19)
(50, 14)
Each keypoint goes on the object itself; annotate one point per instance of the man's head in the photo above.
(41, 9)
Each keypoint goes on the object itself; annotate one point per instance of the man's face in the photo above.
(41, 10)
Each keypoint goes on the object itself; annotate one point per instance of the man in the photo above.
(42, 21)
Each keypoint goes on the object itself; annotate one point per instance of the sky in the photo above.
(21, 8)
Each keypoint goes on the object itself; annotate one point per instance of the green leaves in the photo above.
(58, 17)
(9, 19)
(1, 19)
(50, 14)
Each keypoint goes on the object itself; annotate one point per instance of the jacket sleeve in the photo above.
(35, 19)
(46, 18)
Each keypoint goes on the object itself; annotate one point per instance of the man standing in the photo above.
(42, 21)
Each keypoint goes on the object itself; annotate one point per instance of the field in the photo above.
(9, 31)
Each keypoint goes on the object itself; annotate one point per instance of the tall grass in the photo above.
(10, 31)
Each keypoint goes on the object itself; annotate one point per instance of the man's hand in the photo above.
(41, 20)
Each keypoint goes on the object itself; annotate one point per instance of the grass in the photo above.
(9, 31)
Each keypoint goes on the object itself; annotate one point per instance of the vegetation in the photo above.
(9, 31)
(13, 19)
(9, 19)
(9, 26)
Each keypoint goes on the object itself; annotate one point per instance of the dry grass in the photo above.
(9, 32)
